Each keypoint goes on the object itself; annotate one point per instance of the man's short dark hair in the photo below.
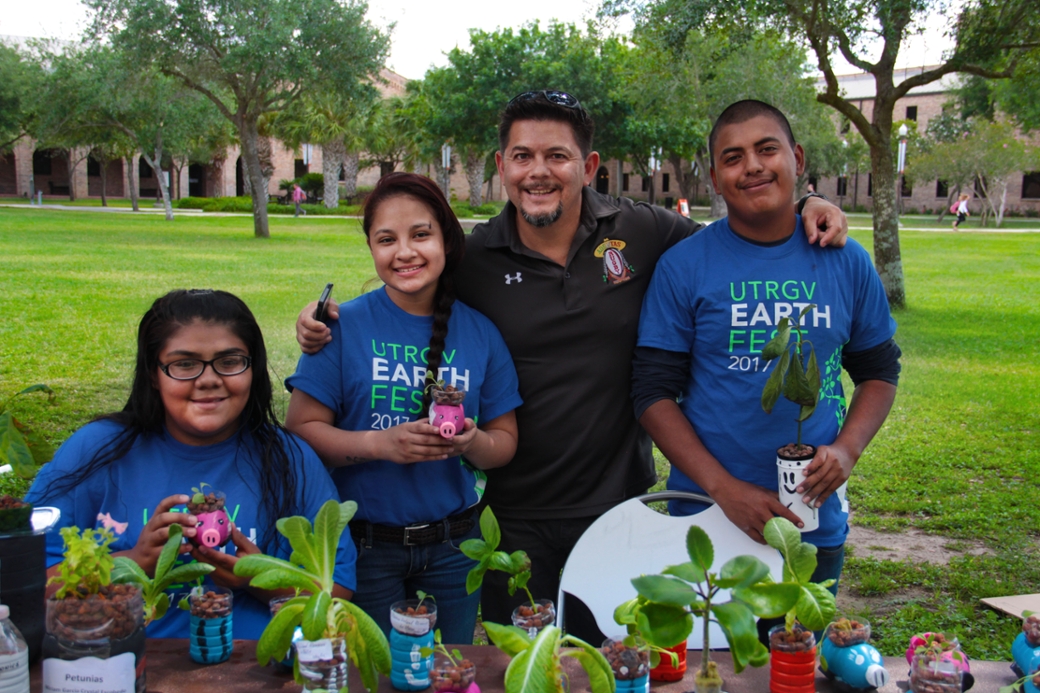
(743, 111)
(536, 105)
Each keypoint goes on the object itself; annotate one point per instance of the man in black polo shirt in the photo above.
(562, 272)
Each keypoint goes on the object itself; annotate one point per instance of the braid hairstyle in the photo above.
(426, 191)
(265, 448)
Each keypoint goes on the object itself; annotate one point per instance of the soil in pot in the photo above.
(449, 676)
(1031, 627)
(928, 675)
(534, 618)
(214, 525)
(792, 661)
(793, 451)
(847, 632)
(447, 395)
(627, 662)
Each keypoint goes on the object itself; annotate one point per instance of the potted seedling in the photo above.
(666, 663)
(451, 671)
(796, 376)
(90, 617)
(847, 655)
(937, 664)
(333, 628)
(668, 604)
(535, 665)
(1025, 653)
(534, 614)
(412, 624)
(214, 525)
(793, 645)
(629, 660)
(446, 410)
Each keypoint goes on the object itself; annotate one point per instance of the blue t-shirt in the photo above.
(125, 494)
(372, 376)
(718, 298)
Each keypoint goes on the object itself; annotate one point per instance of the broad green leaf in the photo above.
(170, 551)
(509, 639)
(299, 532)
(778, 344)
(521, 561)
(742, 571)
(500, 560)
(347, 510)
(520, 579)
(796, 386)
(775, 383)
(759, 658)
(738, 623)
(815, 607)
(126, 570)
(489, 528)
(476, 575)
(162, 605)
(805, 412)
(42, 451)
(277, 636)
(315, 615)
(812, 372)
(474, 549)
(698, 546)
(805, 312)
(326, 541)
(625, 613)
(799, 558)
(664, 590)
(379, 649)
(663, 625)
(534, 670)
(601, 676)
(14, 450)
(769, 601)
(189, 572)
(39, 387)
(686, 571)
(279, 578)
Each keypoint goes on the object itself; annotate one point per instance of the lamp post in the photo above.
(653, 164)
(446, 166)
(903, 132)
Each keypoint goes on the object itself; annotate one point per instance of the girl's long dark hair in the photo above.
(264, 448)
(426, 191)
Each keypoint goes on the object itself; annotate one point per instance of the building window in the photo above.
(1031, 186)
(93, 167)
(624, 182)
(665, 182)
(646, 183)
(143, 169)
(843, 186)
(300, 169)
(942, 189)
(911, 113)
(41, 163)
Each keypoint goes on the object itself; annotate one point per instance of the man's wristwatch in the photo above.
(801, 203)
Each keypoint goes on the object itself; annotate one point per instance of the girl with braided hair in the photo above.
(362, 401)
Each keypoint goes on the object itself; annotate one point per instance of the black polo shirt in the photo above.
(572, 332)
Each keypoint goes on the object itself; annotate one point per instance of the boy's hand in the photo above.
(823, 221)
(830, 468)
(750, 507)
(314, 334)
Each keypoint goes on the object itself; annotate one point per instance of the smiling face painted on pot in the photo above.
(407, 247)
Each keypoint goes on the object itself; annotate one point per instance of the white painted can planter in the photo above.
(789, 475)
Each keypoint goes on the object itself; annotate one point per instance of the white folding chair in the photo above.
(632, 540)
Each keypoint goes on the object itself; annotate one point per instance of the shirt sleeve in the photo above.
(667, 320)
(673, 227)
(320, 375)
(657, 374)
(499, 393)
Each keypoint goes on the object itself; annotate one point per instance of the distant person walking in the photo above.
(962, 210)
(298, 196)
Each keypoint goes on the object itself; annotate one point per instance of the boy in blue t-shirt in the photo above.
(713, 304)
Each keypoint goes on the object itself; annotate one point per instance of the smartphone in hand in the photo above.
(319, 312)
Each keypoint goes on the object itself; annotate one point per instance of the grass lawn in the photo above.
(958, 457)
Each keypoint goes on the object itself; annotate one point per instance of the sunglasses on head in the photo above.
(559, 98)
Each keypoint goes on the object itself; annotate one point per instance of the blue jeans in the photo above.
(388, 572)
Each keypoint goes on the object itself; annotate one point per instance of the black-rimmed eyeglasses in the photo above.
(559, 98)
(189, 369)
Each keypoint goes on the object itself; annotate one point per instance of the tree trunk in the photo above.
(855, 192)
(386, 168)
(266, 153)
(132, 182)
(103, 165)
(250, 143)
(350, 171)
(718, 205)
(954, 194)
(164, 188)
(685, 179)
(71, 164)
(490, 190)
(651, 194)
(444, 176)
(887, 256)
(332, 155)
(474, 165)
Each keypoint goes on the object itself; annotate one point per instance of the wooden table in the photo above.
(170, 670)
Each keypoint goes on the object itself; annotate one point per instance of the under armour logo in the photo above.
(517, 279)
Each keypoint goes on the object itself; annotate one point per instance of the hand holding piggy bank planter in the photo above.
(446, 412)
(214, 525)
(847, 655)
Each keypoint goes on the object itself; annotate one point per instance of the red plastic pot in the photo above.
(792, 672)
(665, 671)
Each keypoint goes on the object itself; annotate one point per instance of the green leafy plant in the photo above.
(198, 495)
(485, 552)
(454, 656)
(20, 446)
(423, 597)
(314, 609)
(153, 589)
(793, 377)
(815, 606)
(535, 666)
(88, 564)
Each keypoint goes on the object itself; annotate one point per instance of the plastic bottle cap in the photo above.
(4, 612)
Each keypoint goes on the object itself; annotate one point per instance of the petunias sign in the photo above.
(89, 675)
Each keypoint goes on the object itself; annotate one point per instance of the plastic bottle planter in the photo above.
(285, 665)
(847, 655)
(1025, 652)
(631, 665)
(534, 619)
(457, 677)
(323, 664)
(413, 625)
(210, 640)
(789, 475)
(945, 671)
(792, 660)
(101, 636)
(665, 671)
(214, 525)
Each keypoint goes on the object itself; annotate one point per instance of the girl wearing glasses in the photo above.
(362, 403)
(199, 412)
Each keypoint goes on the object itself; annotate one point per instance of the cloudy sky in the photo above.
(424, 30)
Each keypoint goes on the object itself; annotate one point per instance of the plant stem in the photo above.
(531, 598)
(706, 651)
(799, 431)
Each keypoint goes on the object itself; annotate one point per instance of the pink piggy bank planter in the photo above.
(446, 411)
(214, 525)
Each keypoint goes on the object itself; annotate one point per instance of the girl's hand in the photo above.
(415, 441)
(153, 537)
(224, 575)
(464, 440)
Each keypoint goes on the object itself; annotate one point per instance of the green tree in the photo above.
(20, 77)
(992, 37)
(249, 57)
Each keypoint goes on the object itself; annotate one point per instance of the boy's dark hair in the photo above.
(548, 105)
(426, 191)
(259, 432)
(743, 111)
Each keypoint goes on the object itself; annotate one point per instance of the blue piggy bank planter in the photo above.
(1026, 661)
(858, 666)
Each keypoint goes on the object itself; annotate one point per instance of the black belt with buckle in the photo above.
(415, 535)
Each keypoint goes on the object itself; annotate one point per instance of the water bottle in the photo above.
(14, 656)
